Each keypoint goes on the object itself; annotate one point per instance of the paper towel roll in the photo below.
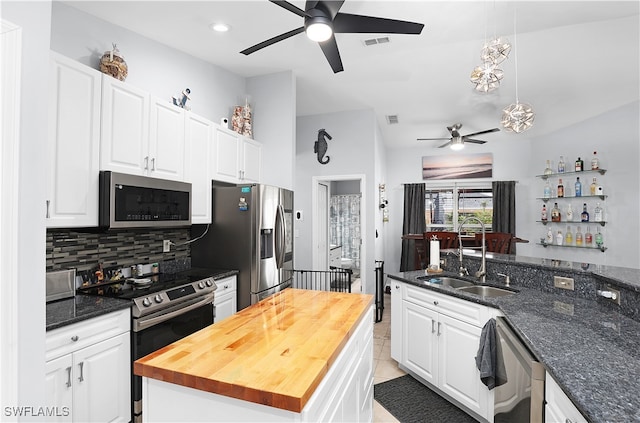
(434, 262)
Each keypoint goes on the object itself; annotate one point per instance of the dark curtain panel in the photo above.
(504, 207)
(413, 222)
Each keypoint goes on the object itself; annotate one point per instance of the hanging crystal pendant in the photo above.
(517, 117)
(495, 51)
(486, 77)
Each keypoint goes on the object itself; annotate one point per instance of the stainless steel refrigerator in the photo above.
(251, 231)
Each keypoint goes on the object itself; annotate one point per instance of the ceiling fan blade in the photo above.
(330, 50)
(433, 139)
(483, 132)
(446, 144)
(465, 139)
(347, 23)
(290, 7)
(330, 6)
(273, 40)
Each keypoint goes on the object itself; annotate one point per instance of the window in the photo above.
(446, 207)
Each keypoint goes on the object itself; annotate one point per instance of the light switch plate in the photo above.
(563, 283)
(166, 246)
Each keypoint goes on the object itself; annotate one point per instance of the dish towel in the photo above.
(489, 359)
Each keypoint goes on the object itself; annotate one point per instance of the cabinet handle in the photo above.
(146, 163)
(438, 328)
(75, 338)
(81, 365)
(435, 303)
(568, 420)
(68, 377)
(153, 164)
(226, 286)
(48, 203)
(397, 286)
(433, 326)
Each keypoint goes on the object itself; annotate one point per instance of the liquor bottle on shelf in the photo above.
(559, 237)
(578, 187)
(561, 165)
(560, 188)
(547, 190)
(584, 217)
(578, 237)
(548, 170)
(555, 213)
(593, 187)
(599, 240)
(595, 162)
(597, 213)
(569, 213)
(588, 237)
(543, 214)
(568, 237)
(579, 165)
(549, 238)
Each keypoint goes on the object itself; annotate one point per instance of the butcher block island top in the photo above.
(275, 352)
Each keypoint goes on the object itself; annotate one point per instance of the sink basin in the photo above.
(486, 291)
(446, 281)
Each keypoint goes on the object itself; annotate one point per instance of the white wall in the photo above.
(351, 152)
(34, 18)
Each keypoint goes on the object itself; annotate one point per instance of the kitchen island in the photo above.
(299, 355)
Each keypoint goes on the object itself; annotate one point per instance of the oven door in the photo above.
(155, 331)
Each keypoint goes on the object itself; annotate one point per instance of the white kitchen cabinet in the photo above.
(558, 407)
(88, 369)
(440, 336)
(140, 135)
(73, 144)
(235, 159)
(198, 141)
(226, 298)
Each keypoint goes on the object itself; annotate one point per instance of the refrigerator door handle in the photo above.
(280, 235)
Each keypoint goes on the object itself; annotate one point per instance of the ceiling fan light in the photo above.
(456, 143)
(318, 28)
(517, 117)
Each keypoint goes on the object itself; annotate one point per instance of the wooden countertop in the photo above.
(275, 352)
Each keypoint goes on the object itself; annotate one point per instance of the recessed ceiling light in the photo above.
(219, 27)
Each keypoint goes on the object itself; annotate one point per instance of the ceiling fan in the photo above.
(323, 19)
(456, 141)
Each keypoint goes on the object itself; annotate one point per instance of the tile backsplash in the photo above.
(83, 250)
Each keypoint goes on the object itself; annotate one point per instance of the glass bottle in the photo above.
(559, 238)
(593, 187)
(584, 217)
(578, 237)
(561, 165)
(597, 213)
(578, 187)
(560, 188)
(588, 237)
(595, 163)
(549, 239)
(568, 237)
(543, 214)
(547, 190)
(579, 165)
(555, 213)
(548, 170)
(599, 240)
(569, 213)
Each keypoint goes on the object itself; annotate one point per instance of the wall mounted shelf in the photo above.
(600, 171)
(601, 248)
(564, 222)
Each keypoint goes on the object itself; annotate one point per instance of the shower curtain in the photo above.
(344, 226)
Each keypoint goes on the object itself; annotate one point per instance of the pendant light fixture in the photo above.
(487, 76)
(517, 117)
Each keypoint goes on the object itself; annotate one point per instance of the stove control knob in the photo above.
(209, 283)
(146, 302)
(158, 298)
(201, 285)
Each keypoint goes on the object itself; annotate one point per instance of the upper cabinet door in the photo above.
(226, 156)
(252, 161)
(74, 143)
(125, 128)
(166, 141)
(198, 141)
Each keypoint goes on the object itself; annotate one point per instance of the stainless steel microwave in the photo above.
(131, 201)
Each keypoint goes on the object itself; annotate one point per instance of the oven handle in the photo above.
(144, 323)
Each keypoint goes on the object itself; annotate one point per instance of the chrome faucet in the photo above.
(482, 272)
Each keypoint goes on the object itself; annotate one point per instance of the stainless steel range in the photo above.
(165, 308)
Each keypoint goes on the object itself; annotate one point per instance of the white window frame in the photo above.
(456, 187)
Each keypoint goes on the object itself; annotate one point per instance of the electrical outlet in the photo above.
(166, 246)
(563, 283)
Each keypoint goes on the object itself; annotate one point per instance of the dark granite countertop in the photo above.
(591, 350)
(82, 307)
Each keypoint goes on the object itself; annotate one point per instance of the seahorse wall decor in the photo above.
(320, 146)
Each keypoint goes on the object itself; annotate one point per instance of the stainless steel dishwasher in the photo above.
(521, 399)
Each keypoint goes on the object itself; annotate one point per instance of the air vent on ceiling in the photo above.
(374, 41)
(392, 119)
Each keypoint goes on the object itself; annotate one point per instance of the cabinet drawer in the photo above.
(466, 311)
(226, 285)
(70, 338)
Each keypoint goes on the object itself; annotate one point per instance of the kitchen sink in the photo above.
(486, 291)
(446, 281)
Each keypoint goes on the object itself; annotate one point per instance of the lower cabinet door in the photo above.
(102, 381)
(420, 349)
(59, 385)
(225, 306)
(458, 374)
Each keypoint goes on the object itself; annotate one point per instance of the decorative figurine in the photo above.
(320, 147)
(183, 99)
(112, 63)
